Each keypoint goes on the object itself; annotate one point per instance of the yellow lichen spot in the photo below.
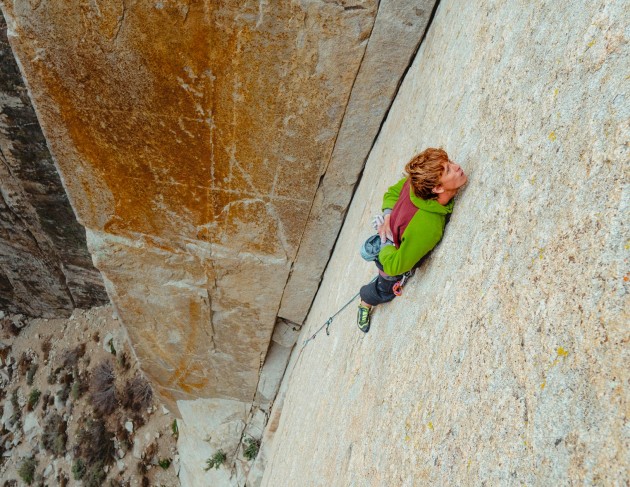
(592, 43)
(407, 438)
(562, 352)
(542, 386)
(430, 425)
(469, 462)
(555, 92)
(552, 136)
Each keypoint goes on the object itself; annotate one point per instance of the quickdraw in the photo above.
(398, 287)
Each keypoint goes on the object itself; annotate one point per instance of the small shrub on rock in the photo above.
(27, 470)
(123, 361)
(55, 437)
(63, 480)
(46, 348)
(78, 469)
(138, 394)
(251, 450)
(216, 460)
(104, 397)
(9, 327)
(33, 399)
(72, 355)
(24, 363)
(94, 475)
(96, 443)
(17, 410)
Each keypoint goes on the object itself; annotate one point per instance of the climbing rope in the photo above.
(397, 291)
(330, 320)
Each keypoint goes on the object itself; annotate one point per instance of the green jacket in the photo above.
(423, 232)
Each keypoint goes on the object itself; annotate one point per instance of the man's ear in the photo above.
(438, 189)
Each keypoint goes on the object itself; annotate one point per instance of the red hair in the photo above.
(425, 170)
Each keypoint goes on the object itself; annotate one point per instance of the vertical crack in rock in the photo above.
(293, 297)
(325, 167)
(211, 335)
(121, 19)
(210, 311)
(400, 81)
(345, 109)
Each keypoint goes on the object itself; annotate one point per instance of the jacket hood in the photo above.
(432, 206)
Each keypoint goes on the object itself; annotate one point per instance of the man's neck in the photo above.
(445, 197)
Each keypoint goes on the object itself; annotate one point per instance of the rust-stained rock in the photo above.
(45, 268)
(191, 138)
(201, 327)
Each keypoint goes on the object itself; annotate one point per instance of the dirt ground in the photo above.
(75, 405)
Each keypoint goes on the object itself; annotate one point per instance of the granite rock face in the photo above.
(398, 29)
(192, 138)
(505, 360)
(45, 267)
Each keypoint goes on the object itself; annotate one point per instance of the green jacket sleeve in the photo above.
(421, 235)
(391, 196)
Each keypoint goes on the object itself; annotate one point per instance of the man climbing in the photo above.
(415, 210)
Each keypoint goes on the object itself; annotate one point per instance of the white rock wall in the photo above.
(506, 360)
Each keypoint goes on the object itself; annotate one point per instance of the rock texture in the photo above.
(505, 361)
(45, 268)
(398, 29)
(190, 137)
(202, 144)
(200, 440)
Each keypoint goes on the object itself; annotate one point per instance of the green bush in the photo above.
(78, 469)
(164, 463)
(251, 451)
(95, 475)
(55, 435)
(76, 390)
(216, 460)
(27, 470)
(33, 399)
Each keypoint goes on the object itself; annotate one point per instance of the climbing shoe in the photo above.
(363, 318)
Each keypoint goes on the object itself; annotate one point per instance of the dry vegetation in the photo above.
(76, 409)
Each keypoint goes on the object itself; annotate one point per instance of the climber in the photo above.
(415, 211)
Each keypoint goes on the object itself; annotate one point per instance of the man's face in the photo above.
(452, 178)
